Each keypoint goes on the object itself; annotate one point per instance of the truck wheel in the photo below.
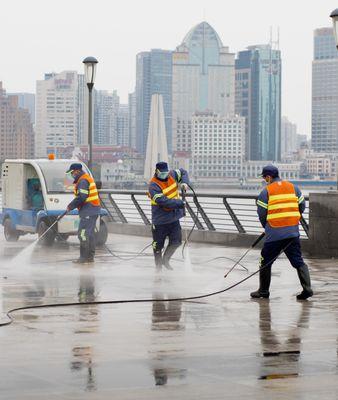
(62, 237)
(49, 237)
(102, 235)
(11, 234)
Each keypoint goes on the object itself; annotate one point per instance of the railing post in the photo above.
(139, 209)
(305, 225)
(118, 211)
(102, 200)
(233, 216)
(204, 215)
(194, 217)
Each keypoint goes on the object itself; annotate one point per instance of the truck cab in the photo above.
(34, 194)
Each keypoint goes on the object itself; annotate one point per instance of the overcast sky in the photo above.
(38, 36)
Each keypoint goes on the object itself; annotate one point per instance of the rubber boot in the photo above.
(169, 251)
(83, 254)
(305, 281)
(264, 284)
(91, 249)
(158, 260)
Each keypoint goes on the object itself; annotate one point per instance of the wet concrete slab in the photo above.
(220, 347)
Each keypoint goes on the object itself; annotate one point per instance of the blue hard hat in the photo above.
(162, 166)
(75, 167)
(270, 170)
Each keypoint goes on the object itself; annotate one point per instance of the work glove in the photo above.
(184, 187)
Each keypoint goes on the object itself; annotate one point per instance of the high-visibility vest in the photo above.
(283, 205)
(93, 195)
(169, 189)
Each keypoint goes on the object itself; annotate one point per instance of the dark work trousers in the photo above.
(161, 232)
(291, 248)
(86, 235)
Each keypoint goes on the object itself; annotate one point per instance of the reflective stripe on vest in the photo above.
(283, 208)
(169, 189)
(93, 195)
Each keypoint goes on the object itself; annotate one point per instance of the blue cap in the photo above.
(270, 170)
(75, 167)
(162, 166)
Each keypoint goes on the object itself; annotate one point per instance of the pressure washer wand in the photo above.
(58, 218)
(183, 199)
(260, 237)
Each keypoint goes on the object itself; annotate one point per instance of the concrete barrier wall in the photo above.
(222, 238)
(323, 234)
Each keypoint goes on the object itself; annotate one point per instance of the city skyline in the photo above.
(66, 40)
(324, 134)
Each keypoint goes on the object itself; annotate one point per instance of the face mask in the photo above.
(70, 175)
(163, 174)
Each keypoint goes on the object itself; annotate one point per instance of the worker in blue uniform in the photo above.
(166, 209)
(88, 203)
(279, 207)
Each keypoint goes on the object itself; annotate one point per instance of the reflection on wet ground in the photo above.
(226, 346)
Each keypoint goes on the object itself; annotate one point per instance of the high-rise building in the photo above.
(217, 145)
(153, 76)
(258, 99)
(61, 112)
(325, 92)
(132, 120)
(106, 107)
(123, 138)
(27, 101)
(289, 138)
(302, 141)
(203, 80)
(16, 130)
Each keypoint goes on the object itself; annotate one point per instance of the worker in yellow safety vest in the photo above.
(88, 203)
(166, 211)
(279, 207)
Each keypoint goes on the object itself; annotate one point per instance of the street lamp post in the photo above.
(90, 70)
(334, 16)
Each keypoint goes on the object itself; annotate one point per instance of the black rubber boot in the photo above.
(305, 281)
(91, 249)
(86, 255)
(158, 260)
(264, 284)
(169, 251)
(83, 254)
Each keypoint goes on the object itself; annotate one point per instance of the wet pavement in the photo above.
(220, 347)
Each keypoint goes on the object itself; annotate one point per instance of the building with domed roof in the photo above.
(203, 80)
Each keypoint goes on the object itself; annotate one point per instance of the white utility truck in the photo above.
(34, 194)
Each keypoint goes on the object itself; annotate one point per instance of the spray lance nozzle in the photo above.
(260, 237)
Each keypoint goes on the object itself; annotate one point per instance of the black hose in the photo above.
(141, 254)
(190, 233)
(194, 225)
(260, 237)
(126, 258)
(54, 305)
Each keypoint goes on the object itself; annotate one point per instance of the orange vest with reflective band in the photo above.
(169, 189)
(93, 195)
(283, 208)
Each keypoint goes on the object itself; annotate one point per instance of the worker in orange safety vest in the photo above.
(88, 203)
(166, 211)
(279, 207)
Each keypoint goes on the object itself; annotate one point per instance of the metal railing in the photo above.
(213, 212)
